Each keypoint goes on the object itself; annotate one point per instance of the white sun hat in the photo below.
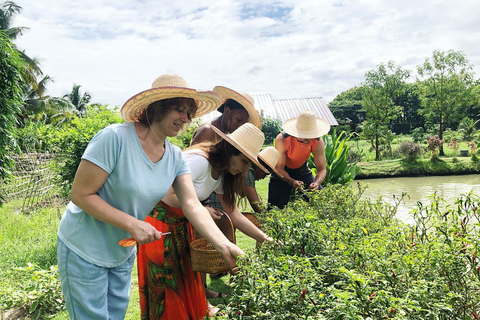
(306, 126)
(244, 99)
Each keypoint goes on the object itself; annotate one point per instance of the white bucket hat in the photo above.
(244, 99)
(270, 156)
(248, 139)
(166, 87)
(306, 126)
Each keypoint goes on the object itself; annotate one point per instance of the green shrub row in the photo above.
(346, 258)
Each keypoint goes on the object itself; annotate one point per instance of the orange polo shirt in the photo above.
(297, 153)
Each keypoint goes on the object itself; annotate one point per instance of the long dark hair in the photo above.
(218, 155)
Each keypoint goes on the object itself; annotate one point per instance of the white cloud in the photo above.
(287, 48)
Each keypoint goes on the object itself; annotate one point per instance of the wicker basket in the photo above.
(204, 256)
(253, 219)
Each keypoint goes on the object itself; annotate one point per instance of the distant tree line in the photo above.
(443, 96)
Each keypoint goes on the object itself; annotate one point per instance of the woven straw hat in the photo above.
(166, 87)
(270, 156)
(248, 139)
(244, 99)
(306, 126)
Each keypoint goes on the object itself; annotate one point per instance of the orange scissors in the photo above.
(131, 241)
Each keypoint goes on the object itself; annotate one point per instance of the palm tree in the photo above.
(8, 9)
(468, 127)
(78, 100)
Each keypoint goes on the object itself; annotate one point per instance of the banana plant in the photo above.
(339, 170)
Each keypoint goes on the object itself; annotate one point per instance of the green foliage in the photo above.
(418, 135)
(339, 169)
(347, 108)
(409, 150)
(10, 101)
(468, 128)
(73, 140)
(346, 258)
(36, 136)
(41, 292)
(271, 128)
(184, 137)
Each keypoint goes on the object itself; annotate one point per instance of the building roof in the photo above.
(285, 109)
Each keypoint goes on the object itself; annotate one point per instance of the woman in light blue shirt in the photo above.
(117, 185)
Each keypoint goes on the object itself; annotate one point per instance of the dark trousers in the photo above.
(279, 191)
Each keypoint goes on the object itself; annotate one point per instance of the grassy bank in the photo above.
(420, 167)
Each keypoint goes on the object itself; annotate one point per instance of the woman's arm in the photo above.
(280, 146)
(253, 198)
(202, 221)
(243, 224)
(88, 180)
(320, 164)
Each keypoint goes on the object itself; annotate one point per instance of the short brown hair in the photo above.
(158, 109)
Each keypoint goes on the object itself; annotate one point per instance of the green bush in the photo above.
(409, 150)
(73, 140)
(271, 128)
(346, 258)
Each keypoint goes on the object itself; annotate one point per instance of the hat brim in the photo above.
(289, 127)
(273, 168)
(207, 101)
(227, 93)
(234, 143)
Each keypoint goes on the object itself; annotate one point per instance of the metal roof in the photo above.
(285, 109)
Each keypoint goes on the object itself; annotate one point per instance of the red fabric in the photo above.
(169, 288)
(297, 153)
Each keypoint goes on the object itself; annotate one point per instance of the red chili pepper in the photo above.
(303, 293)
(372, 295)
(475, 315)
(393, 274)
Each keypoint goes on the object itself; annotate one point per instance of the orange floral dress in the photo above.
(169, 288)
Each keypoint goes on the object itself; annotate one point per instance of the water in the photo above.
(419, 189)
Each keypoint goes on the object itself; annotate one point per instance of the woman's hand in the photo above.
(314, 185)
(297, 184)
(230, 253)
(143, 232)
(216, 214)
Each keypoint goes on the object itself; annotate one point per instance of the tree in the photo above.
(8, 10)
(382, 87)
(80, 101)
(447, 88)
(347, 107)
(410, 102)
(10, 100)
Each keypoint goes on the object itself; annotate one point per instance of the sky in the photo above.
(286, 48)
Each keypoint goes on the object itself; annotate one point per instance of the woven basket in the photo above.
(253, 219)
(204, 256)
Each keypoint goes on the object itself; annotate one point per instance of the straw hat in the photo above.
(248, 139)
(244, 99)
(270, 156)
(306, 126)
(166, 87)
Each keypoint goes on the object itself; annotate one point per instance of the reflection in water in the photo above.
(449, 188)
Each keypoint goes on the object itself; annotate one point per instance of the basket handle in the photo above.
(224, 214)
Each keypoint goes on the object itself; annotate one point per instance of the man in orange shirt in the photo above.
(300, 138)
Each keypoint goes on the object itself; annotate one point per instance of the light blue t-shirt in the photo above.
(134, 185)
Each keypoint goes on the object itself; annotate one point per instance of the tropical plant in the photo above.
(339, 170)
(80, 101)
(468, 127)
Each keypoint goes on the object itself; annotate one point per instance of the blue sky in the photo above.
(287, 48)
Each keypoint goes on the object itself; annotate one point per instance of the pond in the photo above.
(449, 188)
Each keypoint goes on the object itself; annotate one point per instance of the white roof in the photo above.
(285, 109)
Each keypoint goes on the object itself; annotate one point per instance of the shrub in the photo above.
(409, 150)
(418, 135)
(270, 127)
(434, 143)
